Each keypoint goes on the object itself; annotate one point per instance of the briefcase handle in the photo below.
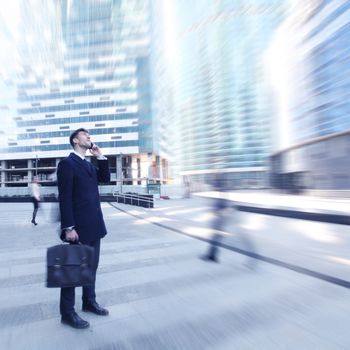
(62, 236)
(72, 242)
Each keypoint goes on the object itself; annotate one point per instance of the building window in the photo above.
(49, 115)
(45, 141)
(100, 104)
(64, 127)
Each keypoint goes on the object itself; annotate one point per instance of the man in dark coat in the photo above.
(81, 215)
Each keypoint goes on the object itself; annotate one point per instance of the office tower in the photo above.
(315, 97)
(210, 99)
(83, 64)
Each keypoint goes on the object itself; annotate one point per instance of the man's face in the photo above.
(83, 139)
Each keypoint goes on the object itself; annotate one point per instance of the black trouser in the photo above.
(67, 300)
(219, 222)
(36, 207)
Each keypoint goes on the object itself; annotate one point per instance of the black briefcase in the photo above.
(70, 265)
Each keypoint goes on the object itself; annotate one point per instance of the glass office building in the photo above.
(325, 105)
(318, 104)
(210, 99)
(83, 64)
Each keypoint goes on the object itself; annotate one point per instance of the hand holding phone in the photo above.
(95, 150)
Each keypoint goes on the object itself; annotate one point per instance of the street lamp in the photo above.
(36, 165)
(121, 171)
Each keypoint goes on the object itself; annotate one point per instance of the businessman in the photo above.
(81, 216)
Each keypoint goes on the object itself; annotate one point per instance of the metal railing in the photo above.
(133, 199)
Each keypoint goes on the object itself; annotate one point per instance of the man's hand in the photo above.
(72, 236)
(96, 151)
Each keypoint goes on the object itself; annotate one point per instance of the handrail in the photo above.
(125, 196)
(132, 197)
(116, 194)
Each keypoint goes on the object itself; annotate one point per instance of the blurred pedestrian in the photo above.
(81, 216)
(35, 189)
(219, 207)
(187, 187)
(224, 209)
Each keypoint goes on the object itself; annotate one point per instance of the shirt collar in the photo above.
(79, 155)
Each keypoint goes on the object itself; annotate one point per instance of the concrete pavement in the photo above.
(312, 208)
(161, 296)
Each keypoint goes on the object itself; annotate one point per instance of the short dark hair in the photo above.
(74, 134)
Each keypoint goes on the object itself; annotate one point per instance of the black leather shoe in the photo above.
(74, 320)
(95, 308)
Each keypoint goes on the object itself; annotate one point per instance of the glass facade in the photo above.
(82, 63)
(318, 123)
(326, 106)
(88, 118)
(210, 94)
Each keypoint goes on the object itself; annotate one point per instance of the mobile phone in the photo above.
(92, 145)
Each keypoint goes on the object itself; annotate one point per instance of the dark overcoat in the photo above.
(79, 198)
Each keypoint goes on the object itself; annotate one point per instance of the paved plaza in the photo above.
(162, 296)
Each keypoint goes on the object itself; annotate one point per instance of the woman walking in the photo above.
(35, 198)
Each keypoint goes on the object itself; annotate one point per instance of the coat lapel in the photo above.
(84, 164)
